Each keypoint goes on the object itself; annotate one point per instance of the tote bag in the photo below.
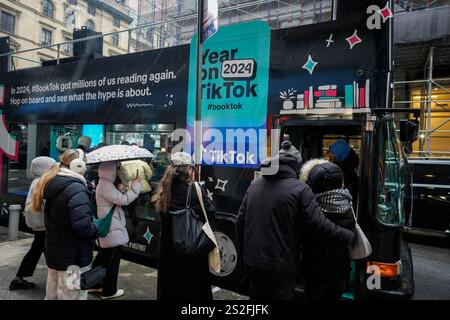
(188, 235)
(361, 248)
(214, 255)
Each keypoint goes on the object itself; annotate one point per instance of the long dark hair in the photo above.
(163, 194)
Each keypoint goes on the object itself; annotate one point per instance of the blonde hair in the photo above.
(65, 159)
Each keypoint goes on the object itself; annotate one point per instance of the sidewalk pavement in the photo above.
(139, 282)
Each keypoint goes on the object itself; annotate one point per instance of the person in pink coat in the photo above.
(107, 195)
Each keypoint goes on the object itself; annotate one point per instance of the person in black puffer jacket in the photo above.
(69, 226)
(327, 268)
(279, 212)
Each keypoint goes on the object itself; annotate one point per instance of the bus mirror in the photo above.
(409, 130)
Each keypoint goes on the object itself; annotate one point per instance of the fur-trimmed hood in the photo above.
(308, 166)
(322, 176)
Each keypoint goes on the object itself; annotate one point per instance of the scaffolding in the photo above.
(278, 14)
(429, 104)
(165, 23)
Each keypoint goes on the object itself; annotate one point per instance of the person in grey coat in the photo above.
(35, 221)
(107, 195)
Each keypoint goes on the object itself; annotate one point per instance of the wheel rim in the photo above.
(228, 254)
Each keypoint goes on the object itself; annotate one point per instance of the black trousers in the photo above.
(31, 259)
(269, 285)
(109, 258)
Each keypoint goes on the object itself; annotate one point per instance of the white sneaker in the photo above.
(95, 290)
(118, 294)
(215, 289)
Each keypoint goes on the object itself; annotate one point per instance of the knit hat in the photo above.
(84, 142)
(181, 159)
(340, 149)
(288, 148)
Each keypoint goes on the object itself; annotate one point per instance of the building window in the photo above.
(7, 22)
(115, 39)
(74, 2)
(46, 37)
(116, 22)
(91, 9)
(90, 24)
(48, 8)
(70, 19)
(68, 47)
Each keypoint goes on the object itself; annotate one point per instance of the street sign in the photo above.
(210, 19)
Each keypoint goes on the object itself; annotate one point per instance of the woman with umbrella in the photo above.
(108, 198)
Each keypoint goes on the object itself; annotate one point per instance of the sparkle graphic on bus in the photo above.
(386, 12)
(221, 184)
(353, 40)
(310, 64)
(148, 236)
(329, 40)
(209, 194)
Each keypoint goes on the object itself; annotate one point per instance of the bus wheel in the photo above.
(230, 276)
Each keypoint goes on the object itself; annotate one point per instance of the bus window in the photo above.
(390, 178)
(156, 139)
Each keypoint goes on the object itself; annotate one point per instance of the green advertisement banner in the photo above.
(235, 75)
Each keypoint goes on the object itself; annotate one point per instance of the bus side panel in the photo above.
(226, 186)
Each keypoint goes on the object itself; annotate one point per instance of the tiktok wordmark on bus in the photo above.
(231, 70)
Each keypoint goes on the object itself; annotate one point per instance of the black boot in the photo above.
(19, 284)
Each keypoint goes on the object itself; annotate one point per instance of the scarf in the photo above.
(69, 173)
(335, 201)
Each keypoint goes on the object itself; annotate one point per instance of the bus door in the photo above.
(313, 139)
(385, 218)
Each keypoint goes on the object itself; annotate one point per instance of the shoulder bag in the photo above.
(188, 235)
(104, 224)
(361, 248)
(214, 255)
(91, 278)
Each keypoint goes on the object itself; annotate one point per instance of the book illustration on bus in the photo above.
(354, 97)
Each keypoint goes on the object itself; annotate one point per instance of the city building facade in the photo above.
(36, 23)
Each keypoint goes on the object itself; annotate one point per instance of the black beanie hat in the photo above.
(325, 177)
